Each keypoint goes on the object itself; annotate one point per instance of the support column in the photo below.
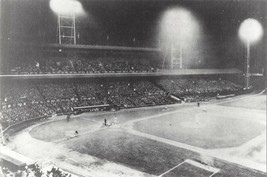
(176, 56)
(248, 66)
(66, 29)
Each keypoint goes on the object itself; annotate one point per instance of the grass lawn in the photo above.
(136, 152)
(153, 157)
(253, 102)
(188, 170)
(147, 155)
(130, 114)
(56, 130)
(205, 130)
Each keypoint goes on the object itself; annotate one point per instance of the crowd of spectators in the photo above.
(83, 66)
(198, 89)
(34, 170)
(24, 101)
(20, 101)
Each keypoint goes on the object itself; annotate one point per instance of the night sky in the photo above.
(123, 20)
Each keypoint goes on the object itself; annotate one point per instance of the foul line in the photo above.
(196, 164)
(172, 169)
(202, 166)
(213, 174)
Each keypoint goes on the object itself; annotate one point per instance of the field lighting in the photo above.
(67, 11)
(179, 30)
(66, 7)
(178, 24)
(250, 31)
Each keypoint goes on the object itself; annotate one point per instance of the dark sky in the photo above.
(123, 20)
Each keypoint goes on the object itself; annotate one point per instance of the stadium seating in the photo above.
(82, 66)
(22, 101)
(198, 89)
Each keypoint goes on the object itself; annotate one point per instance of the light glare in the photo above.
(250, 30)
(179, 29)
(66, 7)
(178, 24)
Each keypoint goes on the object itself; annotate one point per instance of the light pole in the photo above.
(181, 31)
(248, 65)
(250, 31)
(67, 11)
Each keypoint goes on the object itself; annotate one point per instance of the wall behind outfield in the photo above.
(12, 129)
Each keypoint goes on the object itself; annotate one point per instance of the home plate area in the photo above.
(189, 168)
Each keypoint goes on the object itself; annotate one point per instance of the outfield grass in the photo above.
(55, 130)
(136, 152)
(253, 102)
(153, 157)
(211, 131)
(130, 114)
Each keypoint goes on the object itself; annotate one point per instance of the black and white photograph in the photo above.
(133, 88)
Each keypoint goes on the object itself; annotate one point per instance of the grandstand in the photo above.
(167, 93)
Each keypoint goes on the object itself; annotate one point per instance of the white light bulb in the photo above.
(66, 6)
(250, 30)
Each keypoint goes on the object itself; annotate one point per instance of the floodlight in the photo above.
(250, 30)
(67, 11)
(66, 7)
(180, 32)
(178, 23)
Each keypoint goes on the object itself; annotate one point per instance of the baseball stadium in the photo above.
(133, 88)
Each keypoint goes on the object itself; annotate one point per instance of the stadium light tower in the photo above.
(66, 10)
(179, 29)
(250, 31)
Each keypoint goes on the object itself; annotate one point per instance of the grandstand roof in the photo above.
(163, 72)
(83, 47)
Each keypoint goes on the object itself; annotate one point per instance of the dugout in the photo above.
(81, 109)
